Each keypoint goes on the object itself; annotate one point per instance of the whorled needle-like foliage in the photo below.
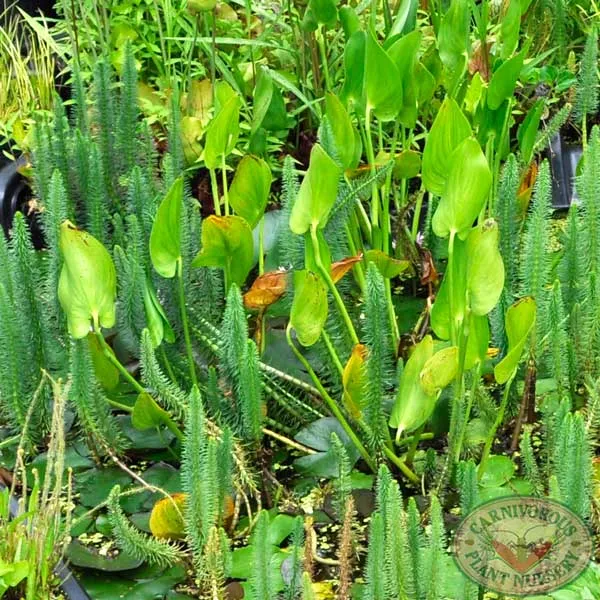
(90, 403)
(262, 585)
(586, 99)
(134, 542)
(379, 364)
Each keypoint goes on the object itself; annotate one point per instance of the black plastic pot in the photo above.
(70, 586)
(564, 159)
(15, 193)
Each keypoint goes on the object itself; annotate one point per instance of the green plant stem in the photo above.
(401, 465)
(409, 439)
(213, 55)
(323, 53)
(371, 159)
(109, 354)
(463, 430)
(120, 406)
(225, 186)
(184, 322)
(167, 363)
(410, 455)
(214, 186)
(492, 434)
(334, 357)
(10, 441)
(261, 246)
(327, 278)
(451, 286)
(417, 215)
(331, 403)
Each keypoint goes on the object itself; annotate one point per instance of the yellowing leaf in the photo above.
(166, 518)
(388, 267)
(353, 380)
(227, 244)
(87, 286)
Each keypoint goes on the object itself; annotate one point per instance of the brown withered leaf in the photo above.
(341, 267)
(480, 60)
(528, 180)
(266, 290)
(429, 273)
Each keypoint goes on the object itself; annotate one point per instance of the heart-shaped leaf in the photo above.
(166, 518)
(87, 286)
(147, 414)
(309, 308)
(440, 370)
(485, 268)
(413, 405)
(504, 80)
(227, 244)
(317, 194)
(249, 191)
(354, 69)
(388, 267)
(222, 133)
(383, 84)
(519, 322)
(165, 238)
(449, 129)
(343, 132)
(467, 188)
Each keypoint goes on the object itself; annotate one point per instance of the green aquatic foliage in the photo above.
(136, 543)
(586, 99)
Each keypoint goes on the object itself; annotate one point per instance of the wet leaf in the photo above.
(106, 373)
(87, 286)
(156, 318)
(222, 133)
(485, 268)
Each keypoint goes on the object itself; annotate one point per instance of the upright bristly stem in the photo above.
(184, 322)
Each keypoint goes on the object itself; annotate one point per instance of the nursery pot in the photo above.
(564, 159)
(14, 195)
(69, 586)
